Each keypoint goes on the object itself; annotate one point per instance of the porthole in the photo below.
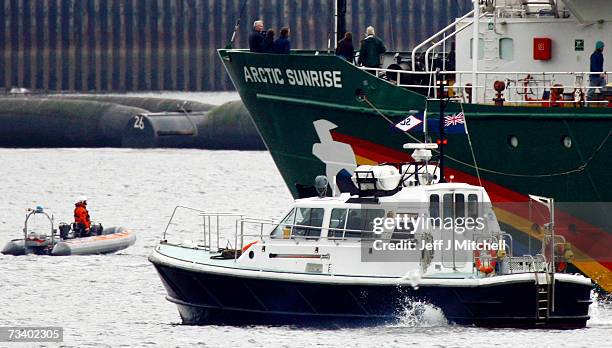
(566, 141)
(251, 254)
(513, 141)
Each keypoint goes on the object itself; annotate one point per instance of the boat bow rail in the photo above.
(207, 230)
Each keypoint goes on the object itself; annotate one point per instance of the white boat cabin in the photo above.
(344, 235)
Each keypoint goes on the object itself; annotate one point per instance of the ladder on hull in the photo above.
(544, 299)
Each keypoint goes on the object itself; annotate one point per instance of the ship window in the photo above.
(305, 218)
(283, 230)
(447, 205)
(404, 231)
(337, 222)
(434, 209)
(480, 48)
(513, 141)
(473, 206)
(357, 220)
(566, 141)
(506, 48)
(459, 205)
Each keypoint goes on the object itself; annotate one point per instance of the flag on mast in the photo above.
(453, 124)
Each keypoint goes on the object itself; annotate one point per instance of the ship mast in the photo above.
(475, 44)
(339, 20)
(442, 141)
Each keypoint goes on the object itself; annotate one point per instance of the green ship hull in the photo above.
(303, 102)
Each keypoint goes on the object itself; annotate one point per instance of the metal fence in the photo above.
(136, 45)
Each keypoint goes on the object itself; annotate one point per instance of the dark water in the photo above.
(118, 300)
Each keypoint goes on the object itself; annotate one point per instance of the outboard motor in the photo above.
(64, 229)
(96, 229)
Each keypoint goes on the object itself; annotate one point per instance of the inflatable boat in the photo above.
(69, 241)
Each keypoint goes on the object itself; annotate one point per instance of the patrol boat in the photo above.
(337, 259)
(67, 242)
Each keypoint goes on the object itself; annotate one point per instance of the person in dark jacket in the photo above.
(597, 62)
(268, 43)
(256, 38)
(81, 217)
(371, 49)
(345, 47)
(282, 45)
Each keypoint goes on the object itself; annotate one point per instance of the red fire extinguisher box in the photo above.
(542, 48)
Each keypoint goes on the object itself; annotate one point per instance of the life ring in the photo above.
(487, 267)
(246, 247)
(560, 266)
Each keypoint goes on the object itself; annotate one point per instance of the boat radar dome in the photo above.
(321, 185)
(422, 151)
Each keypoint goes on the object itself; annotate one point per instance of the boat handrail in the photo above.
(211, 222)
(39, 210)
(518, 84)
(174, 213)
(434, 36)
(438, 43)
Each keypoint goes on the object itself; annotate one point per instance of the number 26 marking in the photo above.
(139, 123)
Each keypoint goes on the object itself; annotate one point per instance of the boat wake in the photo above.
(416, 313)
(600, 310)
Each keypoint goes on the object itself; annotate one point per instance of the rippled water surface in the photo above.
(118, 300)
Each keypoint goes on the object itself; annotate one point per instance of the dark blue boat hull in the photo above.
(205, 298)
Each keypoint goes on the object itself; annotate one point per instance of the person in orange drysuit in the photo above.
(81, 217)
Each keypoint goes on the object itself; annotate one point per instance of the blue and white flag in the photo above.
(409, 122)
(453, 124)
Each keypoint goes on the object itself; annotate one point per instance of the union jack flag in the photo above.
(454, 120)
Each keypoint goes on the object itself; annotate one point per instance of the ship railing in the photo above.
(527, 264)
(211, 229)
(441, 33)
(521, 87)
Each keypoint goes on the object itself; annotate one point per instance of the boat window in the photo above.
(473, 205)
(283, 230)
(506, 48)
(337, 222)
(434, 209)
(459, 205)
(407, 230)
(308, 217)
(357, 220)
(447, 205)
(480, 48)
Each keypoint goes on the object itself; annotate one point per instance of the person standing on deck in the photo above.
(345, 47)
(268, 43)
(597, 62)
(282, 45)
(81, 217)
(256, 38)
(371, 49)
